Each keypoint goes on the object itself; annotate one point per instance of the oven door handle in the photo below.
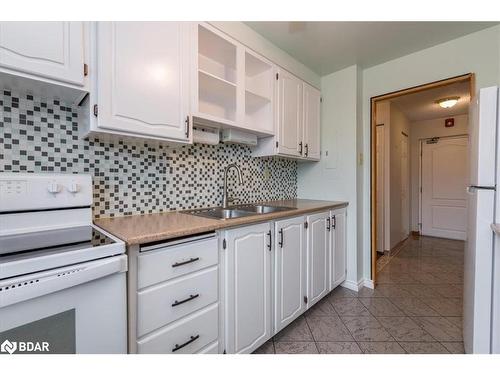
(23, 288)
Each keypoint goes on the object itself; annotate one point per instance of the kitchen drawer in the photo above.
(165, 263)
(196, 331)
(157, 306)
(212, 348)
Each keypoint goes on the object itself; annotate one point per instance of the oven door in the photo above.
(75, 309)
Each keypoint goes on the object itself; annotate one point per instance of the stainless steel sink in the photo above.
(262, 209)
(237, 211)
(221, 213)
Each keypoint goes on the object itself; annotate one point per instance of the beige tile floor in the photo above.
(416, 308)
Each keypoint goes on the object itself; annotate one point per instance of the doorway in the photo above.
(415, 183)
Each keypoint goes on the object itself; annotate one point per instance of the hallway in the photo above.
(416, 308)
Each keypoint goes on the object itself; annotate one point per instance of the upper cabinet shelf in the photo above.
(234, 86)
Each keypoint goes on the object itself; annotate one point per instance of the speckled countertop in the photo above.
(140, 229)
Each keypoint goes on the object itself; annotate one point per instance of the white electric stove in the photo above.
(62, 280)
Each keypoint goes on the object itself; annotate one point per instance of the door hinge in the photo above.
(224, 244)
(277, 76)
(305, 299)
(334, 221)
(187, 126)
(276, 144)
(421, 189)
(321, 99)
(85, 70)
(96, 110)
(306, 225)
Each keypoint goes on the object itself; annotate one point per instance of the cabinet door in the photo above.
(51, 50)
(339, 256)
(289, 114)
(143, 78)
(290, 271)
(247, 267)
(318, 249)
(312, 98)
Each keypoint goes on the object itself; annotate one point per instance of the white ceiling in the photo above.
(326, 47)
(422, 105)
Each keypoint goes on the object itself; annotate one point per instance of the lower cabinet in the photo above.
(338, 263)
(246, 257)
(290, 276)
(318, 253)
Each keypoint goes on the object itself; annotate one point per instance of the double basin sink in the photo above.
(238, 211)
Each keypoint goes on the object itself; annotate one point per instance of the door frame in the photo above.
(421, 171)
(470, 77)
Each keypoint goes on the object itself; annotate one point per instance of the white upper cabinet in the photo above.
(259, 93)
(289, 114)
(290, 271)
(338, 262)
(143, 79)
(232, 86)
(216, 76)
(50, 50)
(318, 250)
(311, 116)
(297, 120)
(247, 275)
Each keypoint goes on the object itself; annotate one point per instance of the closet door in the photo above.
(53, 50)
(143, 78)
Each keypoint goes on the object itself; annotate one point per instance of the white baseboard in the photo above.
(367, 283)
(356, 286)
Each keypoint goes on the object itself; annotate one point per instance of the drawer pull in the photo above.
(178, 347)
(192, 296)
(177, 264)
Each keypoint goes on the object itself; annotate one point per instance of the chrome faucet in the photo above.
(225, 199)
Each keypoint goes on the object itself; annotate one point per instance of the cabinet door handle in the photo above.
(191, 297)
(334, 222)
(177, 264)
(270, 246)
(281, 238)
(187, 126)
(307, 150)
(300, 149)
(192, 339)
(328, 224)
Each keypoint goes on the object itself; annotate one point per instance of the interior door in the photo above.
(289, 114)
(380, 159)
(318, 248)
(290, 271)
(312, 98)
(405, 187)
(47, 49)
(143, 78)
(248, 287)
(444, 182)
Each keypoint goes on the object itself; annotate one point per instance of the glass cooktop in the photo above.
(55, 239)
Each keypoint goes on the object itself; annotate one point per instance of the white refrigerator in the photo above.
(481, 263)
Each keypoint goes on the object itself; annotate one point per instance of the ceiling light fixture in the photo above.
(448, 102)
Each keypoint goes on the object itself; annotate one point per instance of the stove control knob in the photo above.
(54, 187)
(73, 188)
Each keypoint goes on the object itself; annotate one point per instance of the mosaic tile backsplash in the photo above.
(132, 177)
